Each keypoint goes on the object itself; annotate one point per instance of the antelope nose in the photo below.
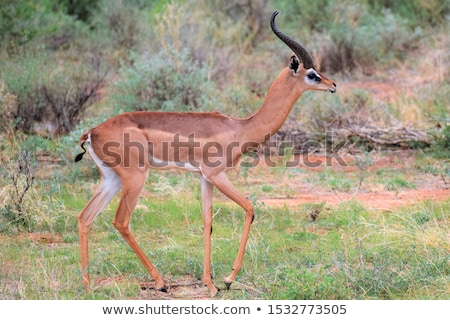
(334, 90)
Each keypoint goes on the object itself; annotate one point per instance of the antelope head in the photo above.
(301, 63)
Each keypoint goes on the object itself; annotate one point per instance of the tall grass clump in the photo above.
(401, 254)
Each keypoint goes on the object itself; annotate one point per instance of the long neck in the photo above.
(279, 101)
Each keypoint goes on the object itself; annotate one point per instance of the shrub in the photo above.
(441, 146)
(348, 34)
(362, 40)
(50, 98)
(12, 198)
(163, 82)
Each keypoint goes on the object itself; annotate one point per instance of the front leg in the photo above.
(226, 187)
(207, 190)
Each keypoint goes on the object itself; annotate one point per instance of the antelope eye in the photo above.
(314, 77)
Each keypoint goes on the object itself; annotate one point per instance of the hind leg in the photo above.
(131, 190)
(109, 185)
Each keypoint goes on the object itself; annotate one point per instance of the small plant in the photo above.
(441, 147)
(22, 178)
(395, 183)
(363, 162)
(306, 284)
(336, 181)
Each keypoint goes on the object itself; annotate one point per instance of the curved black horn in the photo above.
(295, 46)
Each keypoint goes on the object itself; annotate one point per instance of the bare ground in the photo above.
(428, 186)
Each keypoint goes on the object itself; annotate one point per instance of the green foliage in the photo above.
(118, 24)
(305, 284)
(336, 181)
(397, 182)
(81, 9)
(174, 82)
(24, 21)
(443, 142)
(417, 12)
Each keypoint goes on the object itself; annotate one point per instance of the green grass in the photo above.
(348, 253)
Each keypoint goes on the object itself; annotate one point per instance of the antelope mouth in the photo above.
(333, 90)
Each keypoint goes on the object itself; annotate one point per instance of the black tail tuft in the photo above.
(80, 155)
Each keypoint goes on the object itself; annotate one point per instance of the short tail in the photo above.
(83, 140)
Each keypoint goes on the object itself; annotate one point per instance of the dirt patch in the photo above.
(428, 186)
(180, 288)
(186, 287)
(381, 90)
(106, 281)
(386, 200)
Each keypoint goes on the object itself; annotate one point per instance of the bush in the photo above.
(13, 197)
(163, 82)
(348, 34)
(50, 98)
(362, 40)
(441, 147)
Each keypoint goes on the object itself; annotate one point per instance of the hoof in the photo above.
(86, 280)
(228, 285)
(162, 289)
(212, 289)
(214, 292)
(150, 286)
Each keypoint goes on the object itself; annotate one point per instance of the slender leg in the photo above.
(207, 189)
(109, 185)
(132, 186)
(224, 185)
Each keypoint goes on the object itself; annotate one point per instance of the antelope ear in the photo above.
(294, 64)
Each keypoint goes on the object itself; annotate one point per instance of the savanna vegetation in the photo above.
(66, 66)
